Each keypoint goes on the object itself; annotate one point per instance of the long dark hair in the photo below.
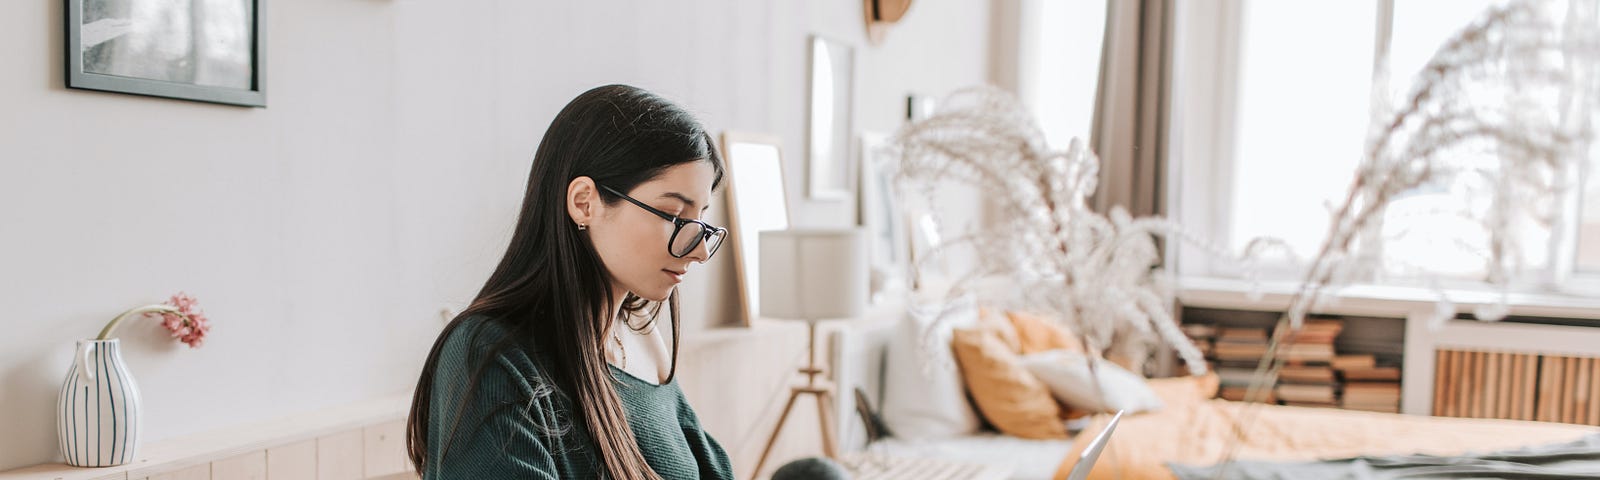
(551, 290)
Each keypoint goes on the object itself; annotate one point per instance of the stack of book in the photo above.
(1314, 373)
(1307, 378)
(1241, 344)
(1234, 382)
(1237, 352)
(1313, 343)
(1308, 395)
(1202, 335)
(1367, 385)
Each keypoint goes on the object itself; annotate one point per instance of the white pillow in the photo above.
(923, 395)
(1066, 373)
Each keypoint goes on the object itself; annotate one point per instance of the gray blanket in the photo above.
(1576, 459)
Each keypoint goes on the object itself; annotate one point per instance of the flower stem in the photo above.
(105, 333)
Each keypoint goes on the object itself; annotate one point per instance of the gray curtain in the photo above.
(1132, 111)
(1132, 106)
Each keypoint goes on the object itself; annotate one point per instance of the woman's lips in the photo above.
(677, 277)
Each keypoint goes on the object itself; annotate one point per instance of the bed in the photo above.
(1025, 459)
(1195, 429)
(858, 356)
(1192, 429)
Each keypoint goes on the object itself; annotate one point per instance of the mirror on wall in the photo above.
(829, 137)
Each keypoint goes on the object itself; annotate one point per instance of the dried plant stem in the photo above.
(105, 333)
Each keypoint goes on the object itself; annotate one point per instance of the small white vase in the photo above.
(98, 413)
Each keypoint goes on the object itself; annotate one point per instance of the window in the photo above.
(1061, 43)
(1305, 74)
(1435, 229)
(1587, 257)
(1290, 89)
(1588, 260)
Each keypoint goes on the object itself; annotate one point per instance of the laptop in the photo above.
(1091, 453)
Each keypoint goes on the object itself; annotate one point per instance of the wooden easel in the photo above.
(824, 394)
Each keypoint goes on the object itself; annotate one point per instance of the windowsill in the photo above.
(1376, 300)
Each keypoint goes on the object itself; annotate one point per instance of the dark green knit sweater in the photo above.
(518, 425)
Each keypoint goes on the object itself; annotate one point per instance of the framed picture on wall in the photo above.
(207, 51)
(831, 97)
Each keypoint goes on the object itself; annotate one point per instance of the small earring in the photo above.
(582, 227)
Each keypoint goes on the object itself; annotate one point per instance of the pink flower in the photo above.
(188, 324)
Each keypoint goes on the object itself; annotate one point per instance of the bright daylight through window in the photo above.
(1294, 160)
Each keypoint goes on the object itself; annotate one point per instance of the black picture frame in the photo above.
(79, 78)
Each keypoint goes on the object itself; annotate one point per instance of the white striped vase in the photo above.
(98, 416)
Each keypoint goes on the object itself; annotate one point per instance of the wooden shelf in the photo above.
(1381, 338)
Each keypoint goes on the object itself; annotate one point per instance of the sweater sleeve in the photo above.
(503, 429)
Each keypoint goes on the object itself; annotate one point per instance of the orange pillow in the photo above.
(1038, 334)
(1006, 393)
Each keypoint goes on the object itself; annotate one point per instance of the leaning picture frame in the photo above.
(757, 201)
(202, 51)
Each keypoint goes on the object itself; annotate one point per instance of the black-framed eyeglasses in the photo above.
(684, 240)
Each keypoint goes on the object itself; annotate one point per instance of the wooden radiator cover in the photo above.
(1517, 386)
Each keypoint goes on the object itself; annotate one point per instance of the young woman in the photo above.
(557, 369)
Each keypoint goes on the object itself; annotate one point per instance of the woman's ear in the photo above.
(583, 201)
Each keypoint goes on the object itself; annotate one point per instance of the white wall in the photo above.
(324, 233)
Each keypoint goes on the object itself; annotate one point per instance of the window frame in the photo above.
(1205, 83)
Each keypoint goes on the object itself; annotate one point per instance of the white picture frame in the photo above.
(880, 214)
(757, 201)
(828, 144)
